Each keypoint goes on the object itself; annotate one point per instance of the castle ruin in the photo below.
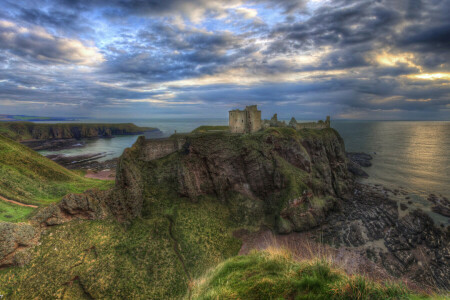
(245, 121)
(249, 120)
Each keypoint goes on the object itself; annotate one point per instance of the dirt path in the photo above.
(103, 175)
(17, 203)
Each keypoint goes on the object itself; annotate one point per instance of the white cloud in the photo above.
(37, 43)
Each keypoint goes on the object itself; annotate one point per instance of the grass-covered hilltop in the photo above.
(172, 226)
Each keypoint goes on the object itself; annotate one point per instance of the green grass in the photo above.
(13, 213)
(130, 261)
(204, 128)
(30, 178)
(272, 274)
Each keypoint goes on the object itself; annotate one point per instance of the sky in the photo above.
(381, 60)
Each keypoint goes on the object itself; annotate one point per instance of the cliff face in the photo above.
(27, 130)
(280, 176)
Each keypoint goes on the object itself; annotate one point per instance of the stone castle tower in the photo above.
(245, 121)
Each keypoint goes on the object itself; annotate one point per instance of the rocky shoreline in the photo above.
(404, 241)
(411, 246)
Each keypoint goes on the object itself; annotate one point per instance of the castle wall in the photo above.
(237, 121)
(314, 125)
(158, 148)
(311, 125)
(254, 120)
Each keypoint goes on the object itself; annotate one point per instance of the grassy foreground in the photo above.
(28, 177)
(150, 258)
(272, 274)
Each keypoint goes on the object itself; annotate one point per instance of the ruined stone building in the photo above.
(310, 125)
(245, 121)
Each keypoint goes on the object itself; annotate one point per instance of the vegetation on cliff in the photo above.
(274, 274)
(204, 128)
(27, 177)
(20, 131)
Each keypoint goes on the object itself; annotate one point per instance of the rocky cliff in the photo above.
(281, 176)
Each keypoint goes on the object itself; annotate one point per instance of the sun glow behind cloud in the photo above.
(430, 76)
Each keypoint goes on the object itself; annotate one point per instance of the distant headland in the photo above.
(40, 136)
(21, 118)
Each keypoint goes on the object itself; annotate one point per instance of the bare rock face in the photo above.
(15, 239)
(90, 205)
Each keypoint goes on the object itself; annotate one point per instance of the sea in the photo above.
(411, 156)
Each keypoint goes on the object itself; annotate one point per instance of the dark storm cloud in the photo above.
(360, 22)
(70, 23)
(169, 53)
(427, 39)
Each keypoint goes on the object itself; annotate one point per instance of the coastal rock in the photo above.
(441, 205)
(90, 205)
(411, 246)
(362, 159)
(357, 160)
(356, 170)
(84, 161)
(53, 144)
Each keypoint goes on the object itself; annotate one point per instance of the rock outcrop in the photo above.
(357, 160)
(15, 240)
(90, 205)
(441, 205)
(271, 169)
(411, 246)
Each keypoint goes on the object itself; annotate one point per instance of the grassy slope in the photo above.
(28, 177)
(272, 274)
(23, 130)
(13, 213)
